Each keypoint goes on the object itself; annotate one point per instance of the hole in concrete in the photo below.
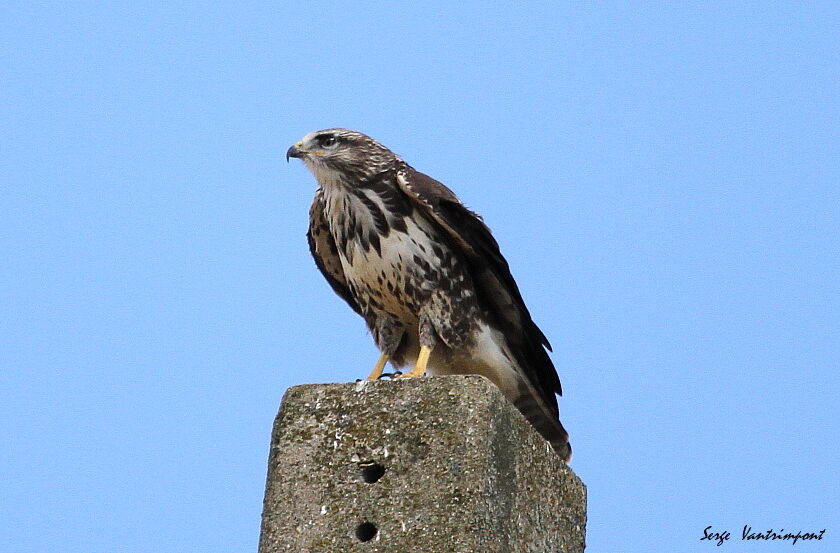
(371, 472)
(366, 531)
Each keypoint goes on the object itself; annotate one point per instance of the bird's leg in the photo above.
(387, 333)
(420, 368)
(380, 366)
(428, 339)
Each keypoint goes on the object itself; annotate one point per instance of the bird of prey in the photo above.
(425, 273)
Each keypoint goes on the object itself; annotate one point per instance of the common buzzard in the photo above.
(425, 273)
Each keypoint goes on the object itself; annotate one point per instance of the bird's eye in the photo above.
(326, 141)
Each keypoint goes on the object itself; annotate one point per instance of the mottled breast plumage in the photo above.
(394, 262)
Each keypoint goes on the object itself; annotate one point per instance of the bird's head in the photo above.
(341, 154)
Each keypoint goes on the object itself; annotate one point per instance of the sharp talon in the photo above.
(391, 376)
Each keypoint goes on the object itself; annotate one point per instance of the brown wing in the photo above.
(324, 251)
(491, 275)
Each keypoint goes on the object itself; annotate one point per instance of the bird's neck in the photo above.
(326, 176)
(345, 211)
(361, 212)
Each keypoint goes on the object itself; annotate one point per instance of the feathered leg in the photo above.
(387, 333)
(428, 339)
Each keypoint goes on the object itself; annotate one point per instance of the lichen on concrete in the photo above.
(463, 472)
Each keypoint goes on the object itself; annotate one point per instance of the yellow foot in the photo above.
(380, 366)
(420, 368)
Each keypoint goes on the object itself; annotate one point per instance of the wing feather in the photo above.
(491, 275)
(323, 249)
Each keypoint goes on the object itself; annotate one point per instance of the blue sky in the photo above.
(663, 179)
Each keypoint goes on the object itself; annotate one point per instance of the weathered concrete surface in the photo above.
(463, 472)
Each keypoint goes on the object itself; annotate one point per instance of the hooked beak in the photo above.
(294, 151)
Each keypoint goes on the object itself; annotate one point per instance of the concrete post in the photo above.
(424, 465)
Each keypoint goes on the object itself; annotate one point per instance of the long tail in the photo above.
(533, 408)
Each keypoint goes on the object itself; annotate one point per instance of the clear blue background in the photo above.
(663, 179)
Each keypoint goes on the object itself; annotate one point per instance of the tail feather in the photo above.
(530, 404)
